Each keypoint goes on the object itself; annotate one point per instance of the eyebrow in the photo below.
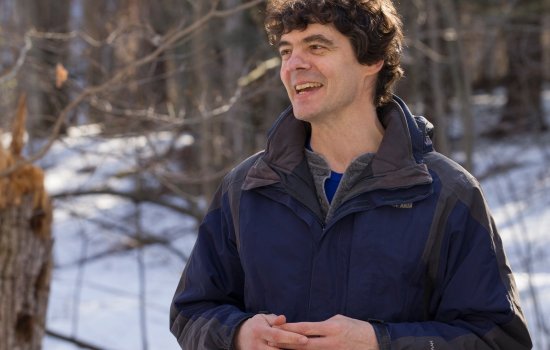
(320, 38)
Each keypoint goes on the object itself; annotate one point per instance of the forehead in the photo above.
(328, 31)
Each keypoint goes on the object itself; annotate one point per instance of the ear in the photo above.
(372, 69)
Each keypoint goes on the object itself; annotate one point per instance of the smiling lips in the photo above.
(305, 87)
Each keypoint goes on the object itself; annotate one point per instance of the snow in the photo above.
(99, 301)
(520, 201)
(121, 300)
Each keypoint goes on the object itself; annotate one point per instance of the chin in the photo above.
(303, 115)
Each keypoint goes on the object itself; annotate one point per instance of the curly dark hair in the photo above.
(372, 26)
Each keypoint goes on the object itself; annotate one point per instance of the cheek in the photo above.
(283, 74)
(285, 79)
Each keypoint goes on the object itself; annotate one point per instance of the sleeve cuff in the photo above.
(382, 334)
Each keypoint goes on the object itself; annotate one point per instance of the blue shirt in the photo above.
(331, 184)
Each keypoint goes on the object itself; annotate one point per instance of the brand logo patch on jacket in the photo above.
(403, 206)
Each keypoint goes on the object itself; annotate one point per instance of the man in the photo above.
(348, 231)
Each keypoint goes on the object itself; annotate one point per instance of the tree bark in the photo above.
(438, 98)
(523, 110)
(205, 72)
(234, 58)
(45, 99)
(25, 250)
(461, 80)
(99, 59)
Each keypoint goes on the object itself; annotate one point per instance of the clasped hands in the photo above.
(273, 332)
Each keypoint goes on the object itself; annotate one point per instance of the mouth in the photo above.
(307, 87)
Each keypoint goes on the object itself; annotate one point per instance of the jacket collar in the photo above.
(397, 164)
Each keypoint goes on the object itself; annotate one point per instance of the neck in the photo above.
(341, 140)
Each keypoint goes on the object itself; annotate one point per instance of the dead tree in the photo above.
(25, 246)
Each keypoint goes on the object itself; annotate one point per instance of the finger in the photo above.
(307, 328)
(275, 320)
(280, 320)
(320, 343)
(279, 336)
(317, 343)
(287, 346)
(268, 346)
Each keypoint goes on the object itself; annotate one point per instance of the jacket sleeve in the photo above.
(208, 304)
(473, 303)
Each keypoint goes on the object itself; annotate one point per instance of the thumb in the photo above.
(275, 320)
(279, 320)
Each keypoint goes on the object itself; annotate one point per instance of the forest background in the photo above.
(136, 109)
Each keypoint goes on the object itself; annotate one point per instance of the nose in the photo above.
(297, 61)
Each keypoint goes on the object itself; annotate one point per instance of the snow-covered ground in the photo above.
(519, 196)
(112, 300)
(121, 300)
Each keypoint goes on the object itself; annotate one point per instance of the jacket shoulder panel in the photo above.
(455, 180)
(232, 186)
(237, 175)
(458, 185)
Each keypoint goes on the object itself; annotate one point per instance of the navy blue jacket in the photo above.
(412, 249)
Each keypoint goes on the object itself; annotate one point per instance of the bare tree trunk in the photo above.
(99, 64)
(234, 61)
(25, 249)
(523, 110)
(205, 70)
(546, 41)
(45, 100)
(436, 78)
(127, 49)
(461, 81)
(411, 88)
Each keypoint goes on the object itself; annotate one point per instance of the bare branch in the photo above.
(169, 40)
(427, 51)
(145, 196)
(78, 342)
(260, 71)
(19, 63)
(64, 36)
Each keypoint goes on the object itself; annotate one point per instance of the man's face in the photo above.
(321, 74)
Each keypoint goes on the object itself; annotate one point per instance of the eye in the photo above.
(284, 53)
(316, 48)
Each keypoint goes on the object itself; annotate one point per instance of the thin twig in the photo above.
(19, 63)
(78, 342)
(142, 278)
(146, 196)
